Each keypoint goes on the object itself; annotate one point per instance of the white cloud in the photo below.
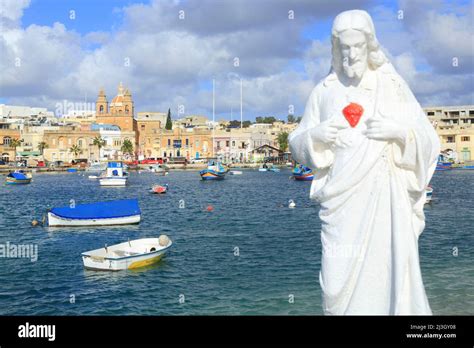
(165, 61)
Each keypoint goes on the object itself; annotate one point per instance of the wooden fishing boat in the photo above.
(303, 173)
(214, 171)
(119, 212)
(128, 255)
(18, 177)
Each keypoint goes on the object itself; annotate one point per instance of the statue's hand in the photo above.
(326, 132)
(379, 128)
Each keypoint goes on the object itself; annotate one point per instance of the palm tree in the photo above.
(127, 147)
(15, 143)
(99, 142)
(76, 150)
(41, 146)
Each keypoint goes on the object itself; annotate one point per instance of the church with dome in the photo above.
(119, 112)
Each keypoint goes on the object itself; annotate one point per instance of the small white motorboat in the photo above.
(429, 194)
(115, 175)
(235, 172)
(93, 177)
(128, 255)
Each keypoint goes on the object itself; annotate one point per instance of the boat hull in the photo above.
(113, 181)
(207, 174)
(122, 256)
(13, 181)
(304, 177)
(57, 221)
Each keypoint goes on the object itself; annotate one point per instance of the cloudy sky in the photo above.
(168, 52)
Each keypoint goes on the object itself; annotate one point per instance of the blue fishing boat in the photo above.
(18, 177)
(302, 173)
(119, 212)
(214, 171)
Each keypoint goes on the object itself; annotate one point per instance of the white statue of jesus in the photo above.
(374, 152)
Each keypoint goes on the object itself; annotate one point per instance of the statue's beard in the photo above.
(356, 69)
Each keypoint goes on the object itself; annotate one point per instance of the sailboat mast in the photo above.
(213, 113)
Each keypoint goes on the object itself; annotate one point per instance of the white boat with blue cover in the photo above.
(119, 212)
(128, 255)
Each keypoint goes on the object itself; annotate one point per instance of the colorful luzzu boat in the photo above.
(214, 171)
(128, 255)
(119, 212)
(302, 173)
(18, 178)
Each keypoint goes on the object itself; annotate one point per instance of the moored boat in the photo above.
(119, 212)
(18, 177)
(159, 189)
(429, 194)
(268, 167)
(115, 175)
(214, 171)
(235, 172)
(128, 255)
(303, 173)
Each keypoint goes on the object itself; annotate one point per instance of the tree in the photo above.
(76, 150)
(169, 123)
(291, 119)
(266, 119)
(246, 124)
(99, 142)
(41, 146)
(282, 139)
(15, 143)
(127, 147)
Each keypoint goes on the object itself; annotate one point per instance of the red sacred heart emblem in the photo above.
(353, 113)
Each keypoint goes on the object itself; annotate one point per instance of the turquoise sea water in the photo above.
(279, 248)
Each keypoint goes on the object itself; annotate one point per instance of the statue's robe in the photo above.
(371, 193)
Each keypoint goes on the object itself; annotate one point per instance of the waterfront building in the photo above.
(8, 132)
(455, 128)
(60, 141)
(149, 132)
(114, 138)
(191, 142)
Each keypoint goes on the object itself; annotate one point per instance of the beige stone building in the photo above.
(455, 127)
(60, 141)
(8, 132)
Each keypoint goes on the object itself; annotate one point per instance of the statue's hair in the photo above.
(361, 21)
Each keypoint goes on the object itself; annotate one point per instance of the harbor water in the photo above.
(249, 255)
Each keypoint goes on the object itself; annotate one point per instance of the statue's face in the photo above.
(353, 46)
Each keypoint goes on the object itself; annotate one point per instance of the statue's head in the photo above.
(354, 45)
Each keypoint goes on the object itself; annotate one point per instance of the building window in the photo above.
(227, 143)
(143, 127)
(450, 139)
(177, 143)
(169, 142)
(7, 141)
(431, 113)
(187, 142)
(233, 143)
(126, 109)
(465, 138)
(79, 143)
(101, 109)
(164, 154)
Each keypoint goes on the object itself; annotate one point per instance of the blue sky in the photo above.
(172, 62)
